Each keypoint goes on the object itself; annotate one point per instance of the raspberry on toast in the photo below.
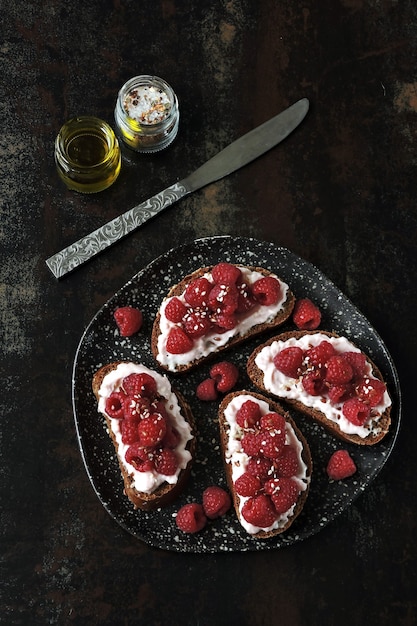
(151, 427)
(215, 308)
(327, 377)
(267, 463)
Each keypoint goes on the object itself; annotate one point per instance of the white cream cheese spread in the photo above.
(283, 386)
(147, 482)
(238, 459)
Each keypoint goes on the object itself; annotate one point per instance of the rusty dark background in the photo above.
(340, 193)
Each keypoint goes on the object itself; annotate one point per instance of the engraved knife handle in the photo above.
(87, 247)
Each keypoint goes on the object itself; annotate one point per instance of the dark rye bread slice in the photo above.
(306, 456)
(165, 493)
(179, 288)
(256, 376)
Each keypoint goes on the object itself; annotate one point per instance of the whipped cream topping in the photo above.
(285, 387)
(147, 482)
(212, 341)
(238, 459)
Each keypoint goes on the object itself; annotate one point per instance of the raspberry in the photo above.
(340, 465)
(152, 430)
(206, 390)
(357, 361)
(196, 293)
(191, 518)
(129, 430)
(284, 493)
(259, 511)
(356, 411)
(250, 444)
(245, 300)
(136, 407)
(287, 463)
(249, 414)
(289, 361)
(339, 371)
(273, 421)
(175, 310)
(216, 502)
(225, 274)
(306, 315)
(223, 299)
(129, 320)
(166, 462)
(371, 391)
(313, 383)
(247, 485)
(259, 467)
(225, 374)
(340, 393)
(196, 323)
(271, 443)
(266, 290)
(172, 438)
(225, 322)
(320, 354)
(139, 457)
(140, 385)
(178, 342)
(115, 404)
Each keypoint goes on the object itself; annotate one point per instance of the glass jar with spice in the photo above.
(147, 113)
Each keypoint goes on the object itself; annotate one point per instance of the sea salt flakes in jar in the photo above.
(147, 114)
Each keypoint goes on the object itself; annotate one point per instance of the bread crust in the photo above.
(256, 376)
(306, 456)
(165, 493)
(179, 288)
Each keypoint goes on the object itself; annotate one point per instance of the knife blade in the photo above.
(237, 154)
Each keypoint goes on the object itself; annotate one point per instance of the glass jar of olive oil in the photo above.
(147, 113)
(87, 154)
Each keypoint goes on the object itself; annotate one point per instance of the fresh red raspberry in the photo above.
(306, 315)
(249, 414)
(320, 354)
(172, 438)
(340, 393)
(207, 391)
(356, 411)
(259, 511)
(129, 430)
(313, 383)
(250, 444)
(175, 310)
(140, 385)
(371, 391)
(284, 493)
(197, 323)
(129, 320)
(338, 370)
(223, 299)
(115, 405)
(191, 518)
(140, 458)
(357, 361)
(247, 485)
(225, 374)
(166, 462)
(260, 467)
(271, 443)
(178, 342)
(274, 421)
(340, 465)
(152, 430)
(245, 301)
(266, 290)
(289, 361)
(136, 407)
(287, 463)
(224, 322)
(197, 292)
(216, 502)
(225, 274)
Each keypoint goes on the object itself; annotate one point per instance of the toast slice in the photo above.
(353, 404)
(277, 470)
(156, 465)
(215, 308)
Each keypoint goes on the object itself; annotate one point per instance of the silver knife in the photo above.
(233, 157)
